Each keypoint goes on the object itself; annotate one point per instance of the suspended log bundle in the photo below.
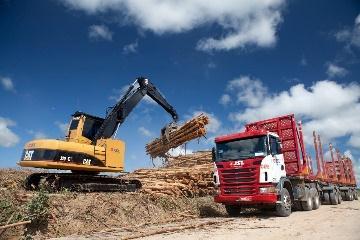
(194, 128)
(191, 177)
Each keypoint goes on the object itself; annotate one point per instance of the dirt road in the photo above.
(328, 222)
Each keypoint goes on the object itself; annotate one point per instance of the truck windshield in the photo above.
(241, 149)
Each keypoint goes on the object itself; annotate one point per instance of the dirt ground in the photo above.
(65, 213)
(144, 216)
(329, 222)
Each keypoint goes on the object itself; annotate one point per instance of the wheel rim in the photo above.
(287, 202)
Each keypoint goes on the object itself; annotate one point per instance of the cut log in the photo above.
(194, 128)
(189, 176)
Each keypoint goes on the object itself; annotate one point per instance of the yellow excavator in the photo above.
(90, 148)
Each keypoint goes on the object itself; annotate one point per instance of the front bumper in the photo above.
(257, 199)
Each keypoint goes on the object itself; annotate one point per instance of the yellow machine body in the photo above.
(76, 152)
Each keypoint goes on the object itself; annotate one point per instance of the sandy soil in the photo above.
(328, 222)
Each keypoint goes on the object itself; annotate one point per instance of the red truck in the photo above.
(267, 166)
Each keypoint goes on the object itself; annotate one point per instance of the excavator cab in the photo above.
(83, 127)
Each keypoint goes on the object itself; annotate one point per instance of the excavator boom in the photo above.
(127, 103)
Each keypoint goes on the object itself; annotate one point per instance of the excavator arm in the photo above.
(127, 103)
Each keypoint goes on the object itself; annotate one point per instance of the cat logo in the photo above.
(28, 155)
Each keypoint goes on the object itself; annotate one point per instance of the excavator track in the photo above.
(80, 182)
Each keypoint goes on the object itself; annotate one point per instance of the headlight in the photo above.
(271, 189)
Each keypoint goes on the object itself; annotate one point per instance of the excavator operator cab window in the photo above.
(74, 124)
(91, 126)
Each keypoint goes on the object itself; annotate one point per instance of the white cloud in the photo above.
(100, 32)
(348, 154)
(248, 90)
(7, 84)
(7, 137)
(63, 127)
(351, 36)
(258, 30)
(225, 99)
(37, 134)
(214, 122)
(244, 22)
(355, 141)
(145, 132)
(179, 151)
(130, 48)
(40, 135)
(330, 108)
(335, 71)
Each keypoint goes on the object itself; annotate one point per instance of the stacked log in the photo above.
(189, 160)
(189, 176)
(194, 128)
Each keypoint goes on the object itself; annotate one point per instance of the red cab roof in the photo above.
(240, 135)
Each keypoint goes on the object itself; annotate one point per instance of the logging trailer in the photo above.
(267, 166)
(90, 148)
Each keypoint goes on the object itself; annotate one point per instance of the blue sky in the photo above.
(237, 61)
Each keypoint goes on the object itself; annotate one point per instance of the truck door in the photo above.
(278, 158)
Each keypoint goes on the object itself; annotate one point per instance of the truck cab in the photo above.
(248, 166)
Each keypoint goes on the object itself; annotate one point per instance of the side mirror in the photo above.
(213, 152)
(279, 145)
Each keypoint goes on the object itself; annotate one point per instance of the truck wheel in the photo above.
(343, 196)
(326, 198)
(351, 196)
(339, 198)
(356, 195)
(297, 206)
(308, 204)
(233, 211)
(283, 209)
(346, 198)
(316, 202)
(333, 198)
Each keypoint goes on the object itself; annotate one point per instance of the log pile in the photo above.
(189, 160)
(189, 176)
(194, 128)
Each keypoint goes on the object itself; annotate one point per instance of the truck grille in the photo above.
(239, 181)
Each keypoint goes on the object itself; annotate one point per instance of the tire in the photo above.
(308, 204)
(326, 198)
(233, 211)
(339, 198)
(284, 208)
(316, 202)
(333, 198)
(356, 195)
(343, 196)
(347, 196)
(297, 206)
(351, 196)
